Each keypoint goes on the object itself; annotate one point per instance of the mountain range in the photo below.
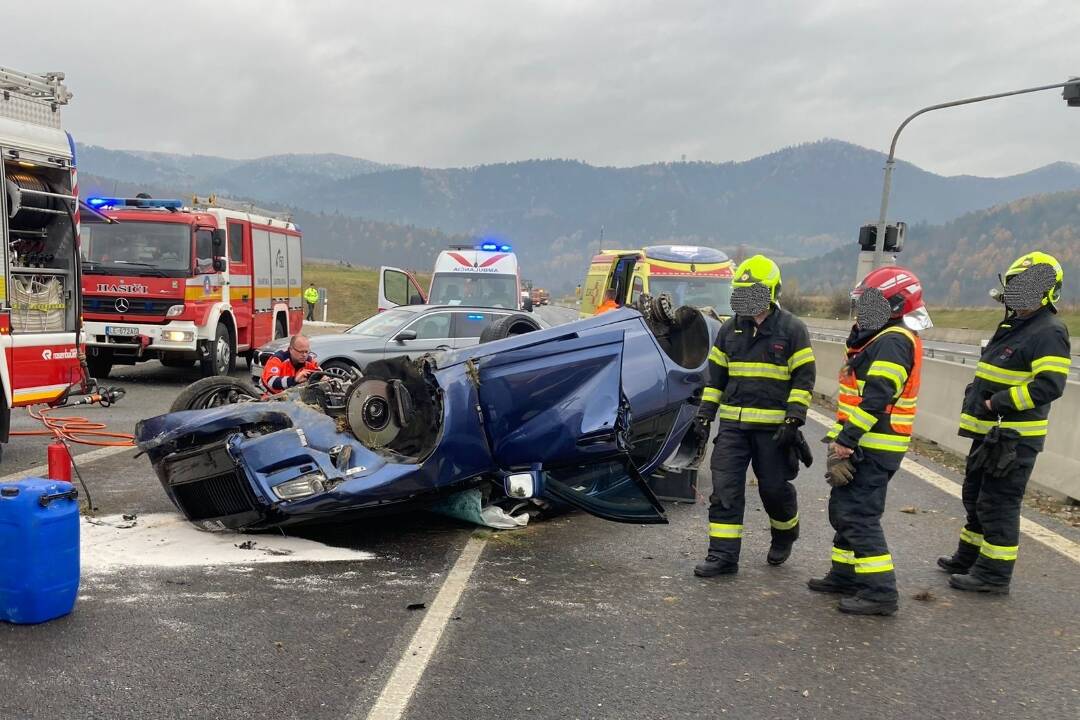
(799, 202)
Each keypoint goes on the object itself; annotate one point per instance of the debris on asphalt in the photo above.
(468, 505)
(416, 606)
(910, 509)
(925, 596)
(246, 545)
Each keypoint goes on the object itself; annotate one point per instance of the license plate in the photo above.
(121, 330)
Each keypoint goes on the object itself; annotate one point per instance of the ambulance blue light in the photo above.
(505, 248)
(489, 247)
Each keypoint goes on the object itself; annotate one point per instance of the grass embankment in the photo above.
(351, 291)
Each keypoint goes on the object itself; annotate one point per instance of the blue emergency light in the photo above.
(492, 247)
(100, 203)
(476, 317)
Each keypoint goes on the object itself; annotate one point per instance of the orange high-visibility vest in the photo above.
(901, 411)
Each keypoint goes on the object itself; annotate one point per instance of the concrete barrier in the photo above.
(940, 398)
(960, 336)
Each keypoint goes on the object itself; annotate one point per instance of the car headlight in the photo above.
(174, 310)
(178, 335)
(302, 486)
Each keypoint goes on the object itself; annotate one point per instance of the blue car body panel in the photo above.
(556, 398)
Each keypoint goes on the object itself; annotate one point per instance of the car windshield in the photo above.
(479, 289)
(136, 248)
(696, 291)
(382, 324)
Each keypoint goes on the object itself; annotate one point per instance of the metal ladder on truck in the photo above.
(47, 87)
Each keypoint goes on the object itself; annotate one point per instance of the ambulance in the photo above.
(693, 275)
(481, 275)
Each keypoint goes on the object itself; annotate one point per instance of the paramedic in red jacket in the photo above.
(290, 367)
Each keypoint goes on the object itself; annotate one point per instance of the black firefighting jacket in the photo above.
(760, 375)
(1022, 370)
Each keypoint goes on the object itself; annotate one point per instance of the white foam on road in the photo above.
(168, 540)
(1034, 530)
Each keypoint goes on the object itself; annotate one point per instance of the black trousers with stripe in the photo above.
(860, 555)
(734, 450)
(992, 505)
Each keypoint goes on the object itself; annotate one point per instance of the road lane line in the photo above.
(1034, 530)
(80, 459)
(400, 687)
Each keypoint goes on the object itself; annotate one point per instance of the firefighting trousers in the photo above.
(860, 555)
(990, 538)
(734, 450)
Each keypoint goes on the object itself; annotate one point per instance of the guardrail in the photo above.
(940, 398)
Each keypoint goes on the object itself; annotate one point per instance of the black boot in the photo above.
(953, 565)
(714, 565)
(862, 606)
(831, 584)
(780, 548)
(971, 583)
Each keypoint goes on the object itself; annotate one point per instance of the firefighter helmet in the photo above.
(758, 269)
(903, 291)
(1053, 294)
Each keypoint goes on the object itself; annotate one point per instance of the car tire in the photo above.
(508, 327)
(99, 362)
(221, 358)
(341, 368)
(214, 392)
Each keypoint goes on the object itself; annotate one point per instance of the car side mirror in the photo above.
(528, 484)
(219, 238)
(405, 335)
(219, 264)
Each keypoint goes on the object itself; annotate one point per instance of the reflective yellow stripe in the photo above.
(999, 552)
(1021, 397)
(971, 538)
(718, 357)
(898, 374)
(834, 431)
(711, 395)
(1026, 428)
(862, 419)
(902, 420)
(906, 403)
(799, 396)
(846, 557)
(800, 358)
(875, 564)
(785, 524)
(1001, 376)
(725, 532)
(884, 441)
(751, 415)
(759, 370)
(1051, 363)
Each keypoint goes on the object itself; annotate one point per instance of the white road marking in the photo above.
(400, 687)
(168, 540)
(1034, 530)
(80, 459)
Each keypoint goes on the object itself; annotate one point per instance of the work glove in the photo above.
(996, 455)
(840, 471)
(787, 434)
(802, 449)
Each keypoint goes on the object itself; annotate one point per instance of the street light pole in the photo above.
(890, 163)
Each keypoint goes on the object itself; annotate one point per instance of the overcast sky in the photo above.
(615, 82)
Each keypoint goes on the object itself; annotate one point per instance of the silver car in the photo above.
(412, 330)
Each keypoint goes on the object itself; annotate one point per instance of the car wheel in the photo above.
(221, 359)
(341, 369)
(507, 327)
(214, 392)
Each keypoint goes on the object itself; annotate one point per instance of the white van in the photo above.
(484, 275)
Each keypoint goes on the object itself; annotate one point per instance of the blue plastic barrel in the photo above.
(39, 550)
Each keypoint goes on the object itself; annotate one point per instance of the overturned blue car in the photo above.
(575, 415)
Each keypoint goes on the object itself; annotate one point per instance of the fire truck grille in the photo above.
(216, 496)
(133, 306)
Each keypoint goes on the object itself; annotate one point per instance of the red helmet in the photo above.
(903, 290)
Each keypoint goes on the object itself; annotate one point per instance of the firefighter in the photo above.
(761, 374)
(311, 297)
(289, 367)
(1022, 370)
(879, 386)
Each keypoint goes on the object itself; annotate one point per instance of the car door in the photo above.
(398, 287)
(559, 404)
(428, 333)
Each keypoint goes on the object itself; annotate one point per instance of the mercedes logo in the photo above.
(121, 305)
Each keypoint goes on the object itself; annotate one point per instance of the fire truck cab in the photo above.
(39, 237)
(187, 284)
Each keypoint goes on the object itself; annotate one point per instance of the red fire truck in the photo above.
(187, 284)
(40, 217)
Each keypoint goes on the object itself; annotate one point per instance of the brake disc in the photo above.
(370, 413)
